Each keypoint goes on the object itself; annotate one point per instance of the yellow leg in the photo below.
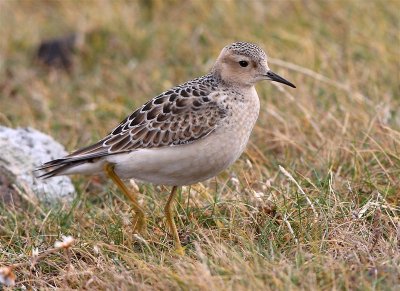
(139, 219)
(170, 221)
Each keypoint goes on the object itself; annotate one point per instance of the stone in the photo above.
(21, 151)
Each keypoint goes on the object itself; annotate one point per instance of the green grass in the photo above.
(337, 134)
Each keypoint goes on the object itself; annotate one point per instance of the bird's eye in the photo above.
(243, 64)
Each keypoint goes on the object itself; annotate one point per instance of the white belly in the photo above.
(183, 164)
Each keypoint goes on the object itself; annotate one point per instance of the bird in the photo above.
(183, 136)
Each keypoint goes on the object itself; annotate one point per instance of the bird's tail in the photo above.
(57, 167)
(68, 165)
(72, 163)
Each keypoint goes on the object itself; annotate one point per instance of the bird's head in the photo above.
(245, 64)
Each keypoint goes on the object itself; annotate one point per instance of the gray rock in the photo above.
(21, 151)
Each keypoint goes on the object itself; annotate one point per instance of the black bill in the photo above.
(275, 77)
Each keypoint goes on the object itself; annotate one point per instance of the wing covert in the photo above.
(179, 116)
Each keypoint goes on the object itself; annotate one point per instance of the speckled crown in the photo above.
(247, 49)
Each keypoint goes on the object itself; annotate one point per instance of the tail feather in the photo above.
(89, 154)
(57, 169)
(60, 166)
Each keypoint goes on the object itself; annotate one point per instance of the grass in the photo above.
(336, 138)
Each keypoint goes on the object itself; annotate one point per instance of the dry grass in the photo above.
(336, 136)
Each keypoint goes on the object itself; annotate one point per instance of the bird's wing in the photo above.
(179, 116)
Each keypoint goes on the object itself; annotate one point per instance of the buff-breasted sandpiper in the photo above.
(185, 135)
